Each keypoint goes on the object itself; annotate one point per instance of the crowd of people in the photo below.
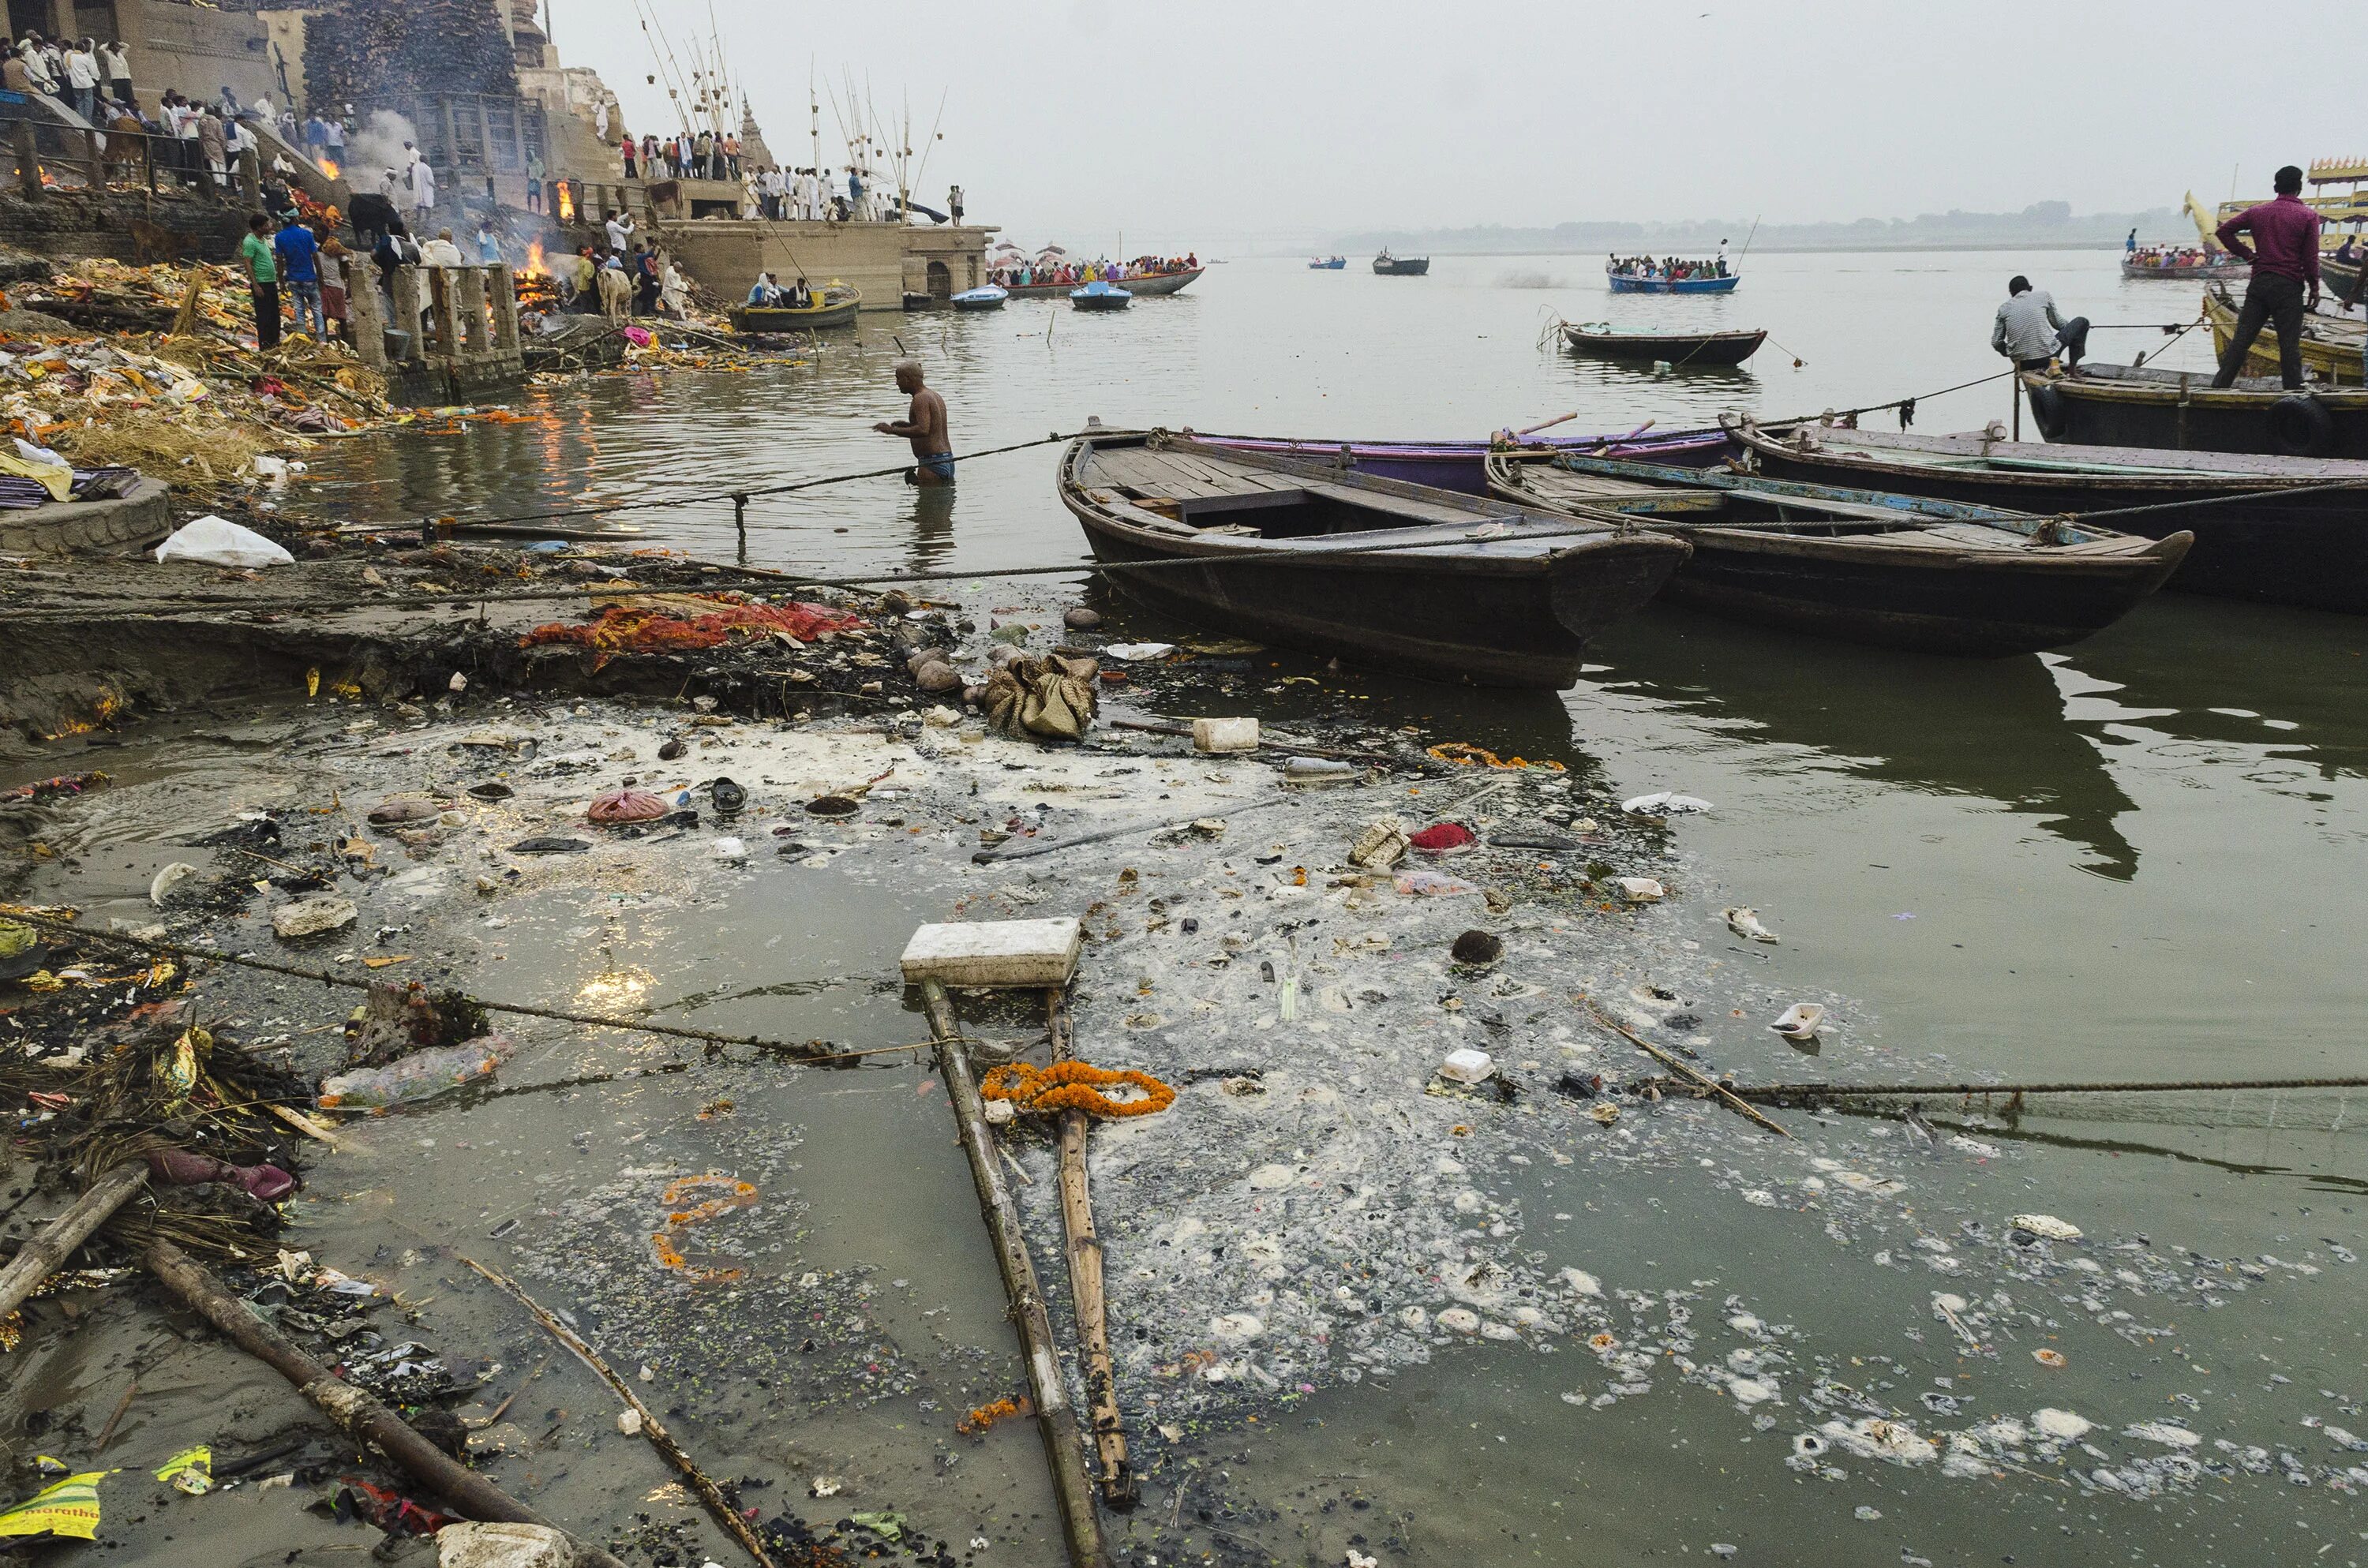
(1046, 271)
(622, 278)
(1674, 268)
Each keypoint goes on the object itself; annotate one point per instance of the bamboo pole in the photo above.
(1699, 1079)
(1119, 1485)
(1056, 1419)
(356, 1413)
(41, 1257)
(708, 1493)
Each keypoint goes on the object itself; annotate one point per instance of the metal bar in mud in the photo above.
(1693, 1074)
(1056, 1417)
(1806, 1092)
(42, 1256)
(356, 1413)
(1119, 1484)
(711, 1496)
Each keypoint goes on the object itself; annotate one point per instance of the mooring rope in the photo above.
(1786, 1091)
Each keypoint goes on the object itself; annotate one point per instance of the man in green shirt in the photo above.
(262, 268)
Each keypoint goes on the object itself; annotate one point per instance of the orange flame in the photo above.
(534, 267)
(329, 167)
(567, 201)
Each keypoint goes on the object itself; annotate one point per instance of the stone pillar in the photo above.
(503, 285)
(444, 341)
(363, 317)
(250, 177)
(407, 308)
(467, 295)
(63, 23)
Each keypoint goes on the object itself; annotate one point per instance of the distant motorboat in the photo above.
(1101, 295)
(1328, 264)
(986, 297)
(1641, 283)
(1388, 265)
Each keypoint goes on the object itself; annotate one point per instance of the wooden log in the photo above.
(356, 1413)
(41, 1257)
(1119, 1485)
(708, 1493)
(1695, 1075)
(1056, 1417)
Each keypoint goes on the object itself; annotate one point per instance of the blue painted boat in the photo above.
(1101, 295)
(1328, 264)
(1627, 283)
(989, 298)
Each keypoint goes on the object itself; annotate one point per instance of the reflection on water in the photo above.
(1988, 728)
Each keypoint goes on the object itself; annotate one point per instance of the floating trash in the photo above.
(2046, 1227)
(1664, 803)
(1800, 1022)
(1642, 889)
(1744, 921)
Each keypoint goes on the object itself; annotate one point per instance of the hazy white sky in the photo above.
(1208, 121)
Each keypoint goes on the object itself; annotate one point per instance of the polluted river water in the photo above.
(1354, 1318)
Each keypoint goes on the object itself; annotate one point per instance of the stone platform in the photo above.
(111, 528)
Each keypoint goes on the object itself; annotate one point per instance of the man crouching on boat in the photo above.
(924, 424)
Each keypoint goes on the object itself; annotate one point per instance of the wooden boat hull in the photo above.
(1461, 466)
(2336, 278)
(1621, 283)
(1158, 283)
(1457, 614)
(1907, 589)
(2110, 406)
(1116, 301)
(1402, 266)
(753, 320)
(2137, 269)
(1680, 349)
(2307, 549)
(2330, 345)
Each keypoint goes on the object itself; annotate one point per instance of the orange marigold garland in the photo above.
(985, 1415)
(1073, 1086)
(1463, 753)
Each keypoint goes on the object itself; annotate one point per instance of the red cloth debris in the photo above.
(620, 629)
(180, 1167)
(1440, 837)
(617, 806)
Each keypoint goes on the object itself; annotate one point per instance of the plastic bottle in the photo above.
(420, 1076)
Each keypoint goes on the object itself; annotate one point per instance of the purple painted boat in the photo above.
(1462, 466)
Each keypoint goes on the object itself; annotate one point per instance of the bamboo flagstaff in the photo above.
(357, 1414)
(1056, 1417)
(1120, 1488)
(42, 1256)
(710, 1495)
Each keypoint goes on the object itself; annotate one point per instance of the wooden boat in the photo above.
(1327, 263)
(1461, 466)
(2118, 405)
(1451, 588)
(2337, 279)
(1388, 265)
(2219, 264)
(1680, 349)
(2331, 345)
(1148, 284)
(1101, 296)
(1629, 283)
(2272, 545)
(1895, 571)
(987, 298)
(835, 305)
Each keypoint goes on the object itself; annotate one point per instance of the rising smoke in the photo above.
(378, 146)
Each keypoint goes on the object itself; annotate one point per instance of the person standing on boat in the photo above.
(2029, 331)
(2285, 254)
(924, 424)
(2130, 245)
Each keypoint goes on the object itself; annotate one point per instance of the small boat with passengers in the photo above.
(833, 304)
(1388, 576)
(1860, 565)
(1140, 284)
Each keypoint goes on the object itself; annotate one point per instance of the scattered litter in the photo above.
(611, 807)
(1381, 845)
(1132, 652)
(2046, 1227)
(1224, 734)
(1468, 1066)
(161, 886)
(1744, 921)
(422, 1076)
(729, 849)
(1443, 838)
(1316, 772)
(311, 916)
(1426, 883)
(549, 845)
(217, 541)
(1664, 803)
(190, 1471)
(1477, 947)
(1800, 1022)
(1642, 889)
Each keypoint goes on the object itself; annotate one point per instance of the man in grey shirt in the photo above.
(2028, 332)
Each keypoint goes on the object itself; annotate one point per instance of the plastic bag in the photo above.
(420, 1076)
(1432, 882)
(218, 541)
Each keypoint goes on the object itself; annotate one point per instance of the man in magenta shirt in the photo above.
(2284, 255)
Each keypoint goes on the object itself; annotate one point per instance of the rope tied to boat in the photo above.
(1073, 1086)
